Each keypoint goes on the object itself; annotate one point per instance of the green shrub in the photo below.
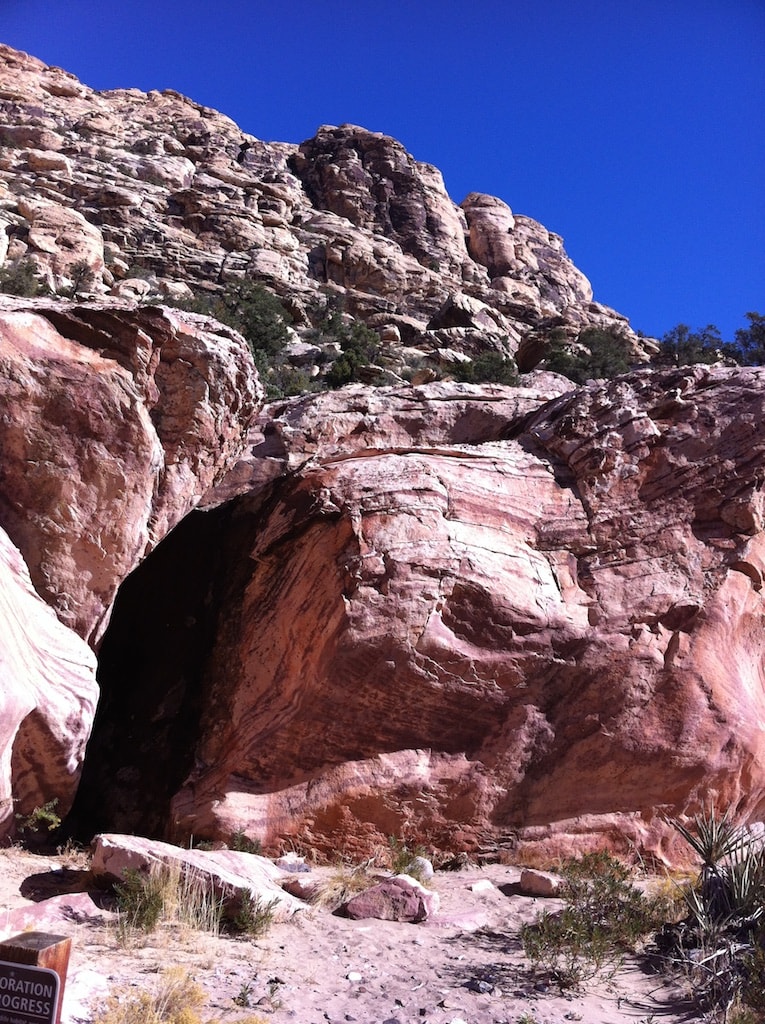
(21, 278)
(359, 344)
(749, 345)
(403, 856)
(140, 899)
(167, 894)
(598, 354)
(683, 347)
(258, 315)
(488, 368)
(720, 945)
(82, 278)
(35, 828)
(605, 916)
(241, 842)
(253, 916)
(252, 310)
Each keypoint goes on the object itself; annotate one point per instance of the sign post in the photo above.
(33, 968)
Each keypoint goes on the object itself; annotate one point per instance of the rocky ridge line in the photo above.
(160, 195)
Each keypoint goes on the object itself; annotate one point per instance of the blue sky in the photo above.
(634, 128)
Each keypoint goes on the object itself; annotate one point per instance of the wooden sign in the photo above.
(33, 968)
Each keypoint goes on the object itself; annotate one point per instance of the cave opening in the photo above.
(151, 671)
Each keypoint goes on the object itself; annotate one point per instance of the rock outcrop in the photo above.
(48, 697)
(472, 616)
(157, 194)
(551, 631)
(230, 874)
(116, 422)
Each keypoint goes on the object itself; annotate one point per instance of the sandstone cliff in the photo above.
(474, 616)
(158, 195)
(464, 621)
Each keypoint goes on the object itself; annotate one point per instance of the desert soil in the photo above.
(465, 965)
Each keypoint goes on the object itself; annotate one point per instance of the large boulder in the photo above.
(545, 636)
(117, 421)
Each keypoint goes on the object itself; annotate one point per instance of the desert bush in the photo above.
(252, 310)
(605, 916)
(258, 315)
(488, 368)
(403, 858)
(241, 842)
(21, 278)
(36, 828)
(140, 900)
(82, 278)
(749, 345)
(176, 999)
(359, 344)
(682, 347)
(167, 895)
(598, 354)
(343, 883)
(253, 916)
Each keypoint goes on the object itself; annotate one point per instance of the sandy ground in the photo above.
(466, 965)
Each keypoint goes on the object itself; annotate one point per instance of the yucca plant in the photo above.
(718, 945)
(715, 840)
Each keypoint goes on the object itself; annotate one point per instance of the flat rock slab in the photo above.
(54, 913)
(230, 872)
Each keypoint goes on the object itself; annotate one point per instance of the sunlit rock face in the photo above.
(157, 195)
(544, 637)
(116, 422)
(48, 696)
(474, 616)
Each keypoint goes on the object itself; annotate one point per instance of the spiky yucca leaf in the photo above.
(713, 838)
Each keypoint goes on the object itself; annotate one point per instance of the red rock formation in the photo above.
(116, 422)
(48, 697)
(156, 194)
(552, 635)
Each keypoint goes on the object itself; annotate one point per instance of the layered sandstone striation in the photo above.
(547, 630)
(159, 195)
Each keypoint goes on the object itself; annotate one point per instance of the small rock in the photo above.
(482, 885)
(539, 883)
(479, 985)
(397, 899)
(292, 862)
(353, 976)
(421, 868)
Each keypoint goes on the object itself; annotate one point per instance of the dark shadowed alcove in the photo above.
(151, 673)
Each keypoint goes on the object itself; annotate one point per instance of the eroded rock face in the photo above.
(156, 193)
(48, 696)
(116, 423)
(546, 635)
